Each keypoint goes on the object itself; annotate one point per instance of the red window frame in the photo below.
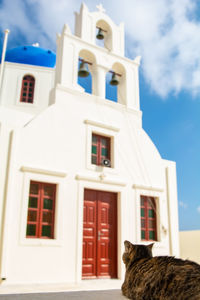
(41, 210)
(100, 149)
(27, 89)
(148, 218)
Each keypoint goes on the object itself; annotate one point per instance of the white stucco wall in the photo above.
(190, 245)
(56, 147)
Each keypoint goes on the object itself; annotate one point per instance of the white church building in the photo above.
(79, 175)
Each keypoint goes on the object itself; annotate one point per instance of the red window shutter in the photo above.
(148, 218)
(27, 90)
(100, 149)
(41, 210)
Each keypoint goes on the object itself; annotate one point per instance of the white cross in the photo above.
(100, 8)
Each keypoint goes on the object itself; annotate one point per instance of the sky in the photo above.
(167, 37)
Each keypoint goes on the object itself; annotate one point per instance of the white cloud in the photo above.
(198, 209)
(183, 204)
(165, 32)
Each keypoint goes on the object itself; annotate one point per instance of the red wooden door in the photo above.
(99, 235)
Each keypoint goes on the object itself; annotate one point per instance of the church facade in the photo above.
(79, 175)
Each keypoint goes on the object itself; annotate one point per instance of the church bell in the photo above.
(100, 34)
(83, 72)
(114, 81)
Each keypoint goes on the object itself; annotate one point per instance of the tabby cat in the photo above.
(159, 277)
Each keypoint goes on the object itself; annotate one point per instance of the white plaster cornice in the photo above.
(102, 125)
(147, 187)
(29, 67)
(101, 178)
(100, 101)
(135, 62)
(43, 171)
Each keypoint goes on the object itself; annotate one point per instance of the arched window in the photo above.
(27, 90)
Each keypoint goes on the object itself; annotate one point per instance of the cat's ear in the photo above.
(150, 246)
(128, 246)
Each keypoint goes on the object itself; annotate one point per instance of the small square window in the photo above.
(31, 230)
(100, 149)
(32, 216)
(33, 202)
(48, 204)
(94, 149)
(46, 231)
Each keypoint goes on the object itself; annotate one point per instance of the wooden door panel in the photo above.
(107, 225)
(89, 238)
(99, 234)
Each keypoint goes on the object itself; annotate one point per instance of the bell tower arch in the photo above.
(87, 22)
(105, 32)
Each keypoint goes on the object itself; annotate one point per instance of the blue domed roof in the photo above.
(31, 55)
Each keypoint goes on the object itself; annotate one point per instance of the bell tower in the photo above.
(109, 57)
(86, 24)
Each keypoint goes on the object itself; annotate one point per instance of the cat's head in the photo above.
(134, 252)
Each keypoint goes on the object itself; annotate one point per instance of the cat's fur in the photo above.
(160, 277)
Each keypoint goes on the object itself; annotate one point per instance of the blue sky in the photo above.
(167, 36)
